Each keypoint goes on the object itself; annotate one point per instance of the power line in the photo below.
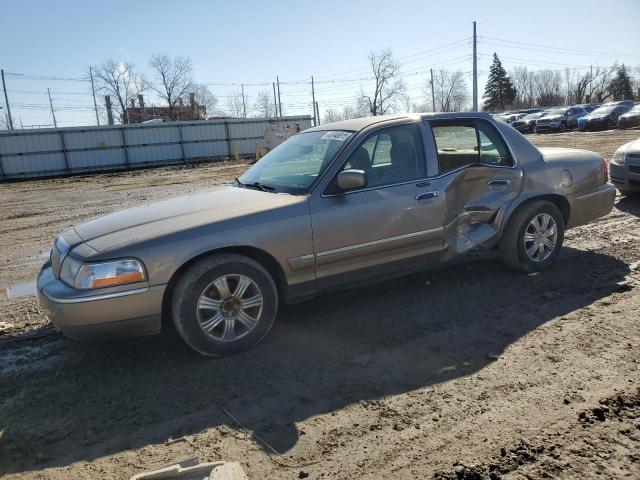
(570, 51)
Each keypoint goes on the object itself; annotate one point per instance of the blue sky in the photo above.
(253, 41)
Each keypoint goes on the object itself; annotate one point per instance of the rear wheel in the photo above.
(533, 237)
(224, 304)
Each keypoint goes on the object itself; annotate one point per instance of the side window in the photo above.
(493, 150)
(393, 155)
(464, 143)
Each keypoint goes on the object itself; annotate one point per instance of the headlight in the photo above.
(618, 157)
(98, 275)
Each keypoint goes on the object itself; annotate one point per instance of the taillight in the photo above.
(605, 170)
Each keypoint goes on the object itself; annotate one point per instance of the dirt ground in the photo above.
(469, 372)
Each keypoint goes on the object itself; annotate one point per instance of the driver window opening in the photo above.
(392, 156)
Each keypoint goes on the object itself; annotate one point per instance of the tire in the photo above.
(512, 244)
(628, 193)
(563, 127)
(234, 326)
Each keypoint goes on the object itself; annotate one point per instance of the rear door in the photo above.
(475, 173)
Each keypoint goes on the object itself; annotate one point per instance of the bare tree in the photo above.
(450, 90)
(173, 78)
(522, 79)
(332, 115)
(264, 106)
(601, 83)
(236, 103)
(4, 120)
(121, 83)
(388, 85)
(359, 109)
(204, 96)
(577, 86)
(548, 88)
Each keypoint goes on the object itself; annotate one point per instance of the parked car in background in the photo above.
(335, 205)
(559, 119)
(630, 119)
(526, 123)
(626, 103)
(589, 107)
(602, 118)
(510, 117)
(625, 168)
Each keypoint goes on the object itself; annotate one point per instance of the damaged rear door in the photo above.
(476, 174)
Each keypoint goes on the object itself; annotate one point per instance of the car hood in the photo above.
(630, 115)
(632, 146)
(176, 214)
(552, 117)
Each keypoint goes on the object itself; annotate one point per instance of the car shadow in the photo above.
(338, 350)
(629, 204)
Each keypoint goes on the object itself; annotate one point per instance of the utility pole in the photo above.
(318, 112)
(433, 95)
(107, 101)
(275, 100)
(279, 101)
(53, 114)
(244, 105)
(475, 70)
(6, 101)
(313, 97)
(93, 92)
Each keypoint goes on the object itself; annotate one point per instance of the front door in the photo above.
(386, 226)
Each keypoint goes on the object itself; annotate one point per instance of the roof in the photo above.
(358, 124)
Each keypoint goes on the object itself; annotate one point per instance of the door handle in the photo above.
(499, 181)
(425, 195)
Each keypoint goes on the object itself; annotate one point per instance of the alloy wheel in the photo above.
(230, 307)
(540, 237)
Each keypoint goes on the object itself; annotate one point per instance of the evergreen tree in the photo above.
(499, 91)
(620, 86)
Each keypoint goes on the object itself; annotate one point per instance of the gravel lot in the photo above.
(471, 372)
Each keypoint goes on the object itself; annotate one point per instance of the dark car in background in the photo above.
(589, 107)
(630, 119)
(603, 118)
(526, 123)
(559, 119)
(626, 103)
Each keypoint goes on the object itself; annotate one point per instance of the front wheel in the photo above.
(533, 237)
(224, 304)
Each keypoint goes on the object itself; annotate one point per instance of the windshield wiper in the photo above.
(257, 185)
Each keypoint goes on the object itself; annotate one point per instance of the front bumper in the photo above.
(629, 122)
(625, 177)
(587, 206)
(547, 127)
(599, 124)
(100, 314)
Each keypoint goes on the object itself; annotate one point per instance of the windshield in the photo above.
(603, 110)
(294, 165)
(556, 111)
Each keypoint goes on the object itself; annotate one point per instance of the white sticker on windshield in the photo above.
(336, 135)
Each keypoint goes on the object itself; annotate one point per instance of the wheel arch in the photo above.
(558, 200)
(262, 257)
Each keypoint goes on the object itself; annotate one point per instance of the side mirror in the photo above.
(352, 179)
